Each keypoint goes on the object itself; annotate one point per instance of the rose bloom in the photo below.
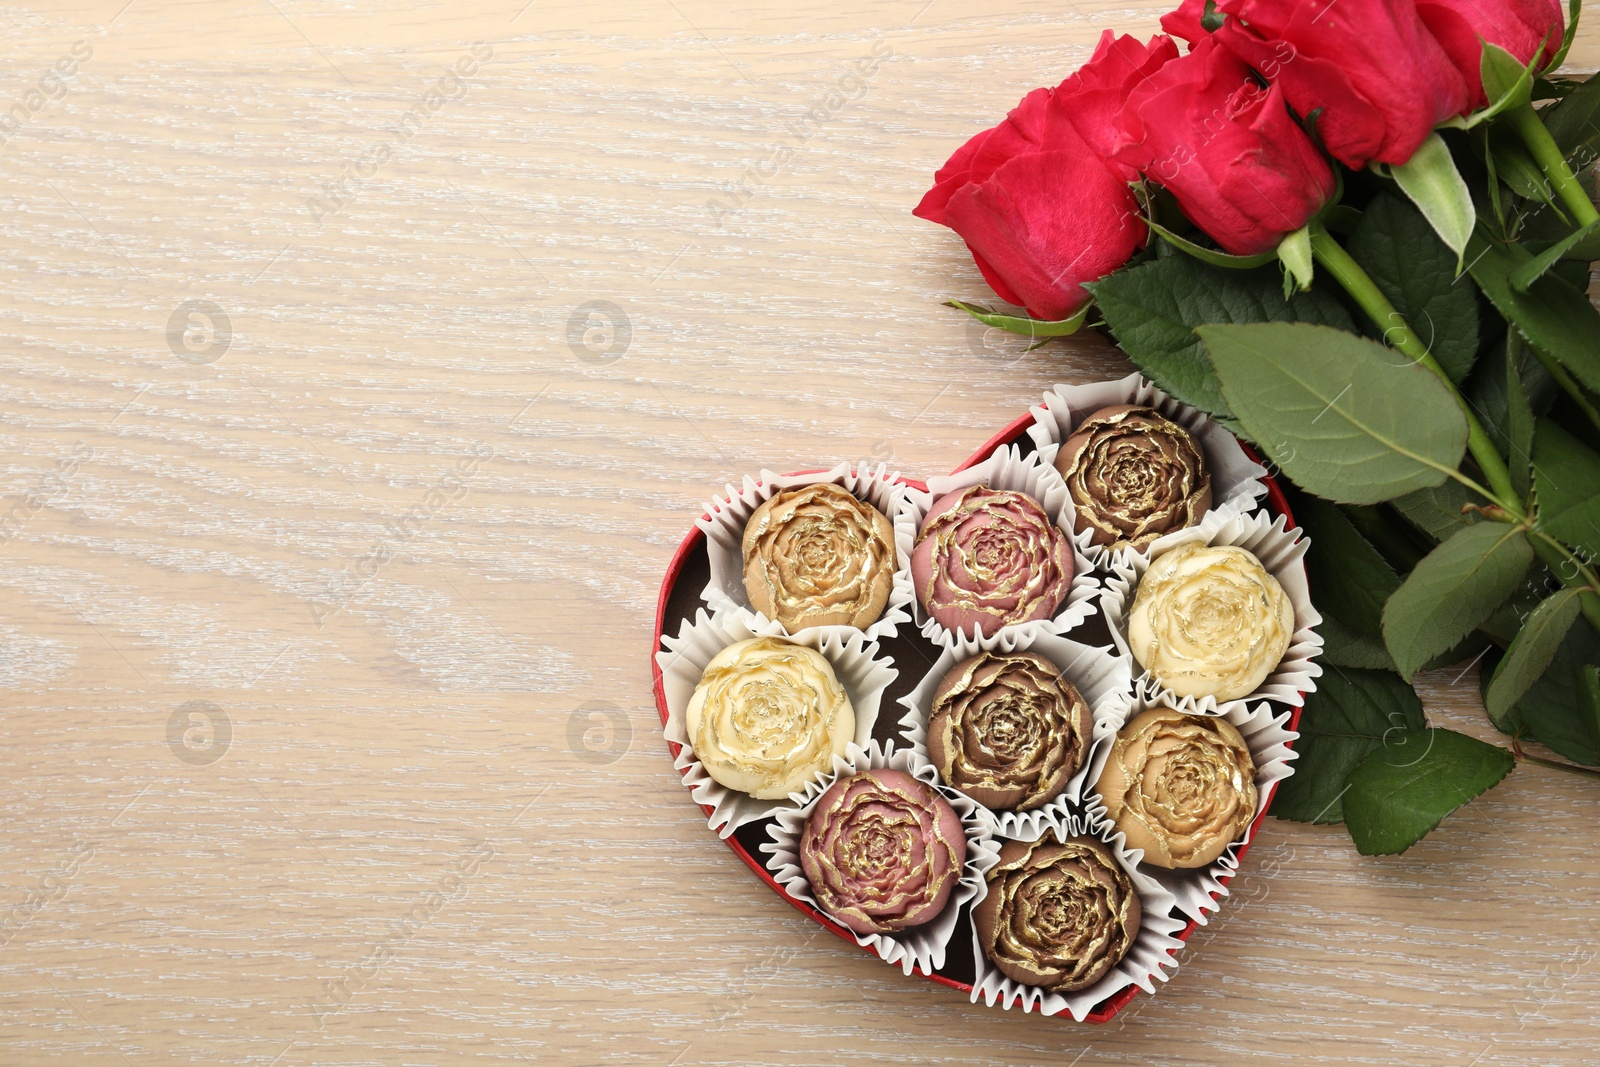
(987, 558)
(1057, 916)
(1239, 165)
(818, 556)
(1180, 787)
(1525, 28)
(768, 716)
(1208, 620)
(1036, 199)
(1133, 475)
(1381, 81)
(1008, 730)
(882, 852)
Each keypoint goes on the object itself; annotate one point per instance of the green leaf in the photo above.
(1551, 315)
(1405, 789)
(1432, 182)
(1515, 166)
(1153, 309)
(1589, 684)
(1417, 272)
(1344, 647)
(1294, 251)
(1486, 390)
(1504, 621)
(1506, 84)
(1519, 424)
(1349, 579)
(1574, 9)
(1452, 590)
(1530, 654)
(1021, 324)
(1211, 255)
(1437, 511)
(1556, 710)
(1540, 265)
(1566, 487)
(1574, 121)
(1343, 416)
(1344, 721)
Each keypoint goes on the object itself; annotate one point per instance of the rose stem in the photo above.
(1571, 572)
(1547, 154)
(1399, 334)
(1517, 753)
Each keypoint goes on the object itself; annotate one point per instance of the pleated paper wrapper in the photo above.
(1281, 552)
(855, 661)
(1266, 732)
(725, 517)
(1149, 961)
(1008, 469)
(921, 947)
(1103, 679)
(1236, 479)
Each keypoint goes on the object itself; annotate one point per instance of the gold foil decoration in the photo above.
(1208, 620)
(768, 716)
(1180, 787)
(818, 556)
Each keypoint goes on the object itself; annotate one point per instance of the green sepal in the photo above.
(1022, 325)
(1211, 255)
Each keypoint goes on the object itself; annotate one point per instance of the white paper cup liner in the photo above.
(1266, 732)
(1008, 469)
(921, 947)
(683, 660)
(1151, 958)
(1104, 680)
(1280, 551)
(1236, 479)
(725, 518)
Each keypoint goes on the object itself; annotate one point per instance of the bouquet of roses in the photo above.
(1358, 233)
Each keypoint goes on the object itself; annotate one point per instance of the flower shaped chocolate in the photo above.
(1057, 916)
(768, 716)
(1007, 730)
(1181, 787)
(818, 556)
(1133, 475)
(988, 558)
(1208, 620)
(882, 851)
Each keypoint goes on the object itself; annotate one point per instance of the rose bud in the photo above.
(1133, 475)
(768, 716)
(1008, 730)
(1381, 81)
(1041, 211)
(1180, 787)
(1240, 167)
(1208, 620)
(882, 852)
(1525, 28)
(818, 556)
(1057, 916)
(987, 558)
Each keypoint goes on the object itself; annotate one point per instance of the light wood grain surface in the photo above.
(325, 624)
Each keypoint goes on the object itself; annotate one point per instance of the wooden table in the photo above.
(363, 370)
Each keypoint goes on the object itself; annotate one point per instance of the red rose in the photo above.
(1524, 28)
(1037, 200)
(1379, 78)
(1227, 148)
(1094, 95)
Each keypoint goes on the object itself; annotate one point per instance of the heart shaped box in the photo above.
(688, 574)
